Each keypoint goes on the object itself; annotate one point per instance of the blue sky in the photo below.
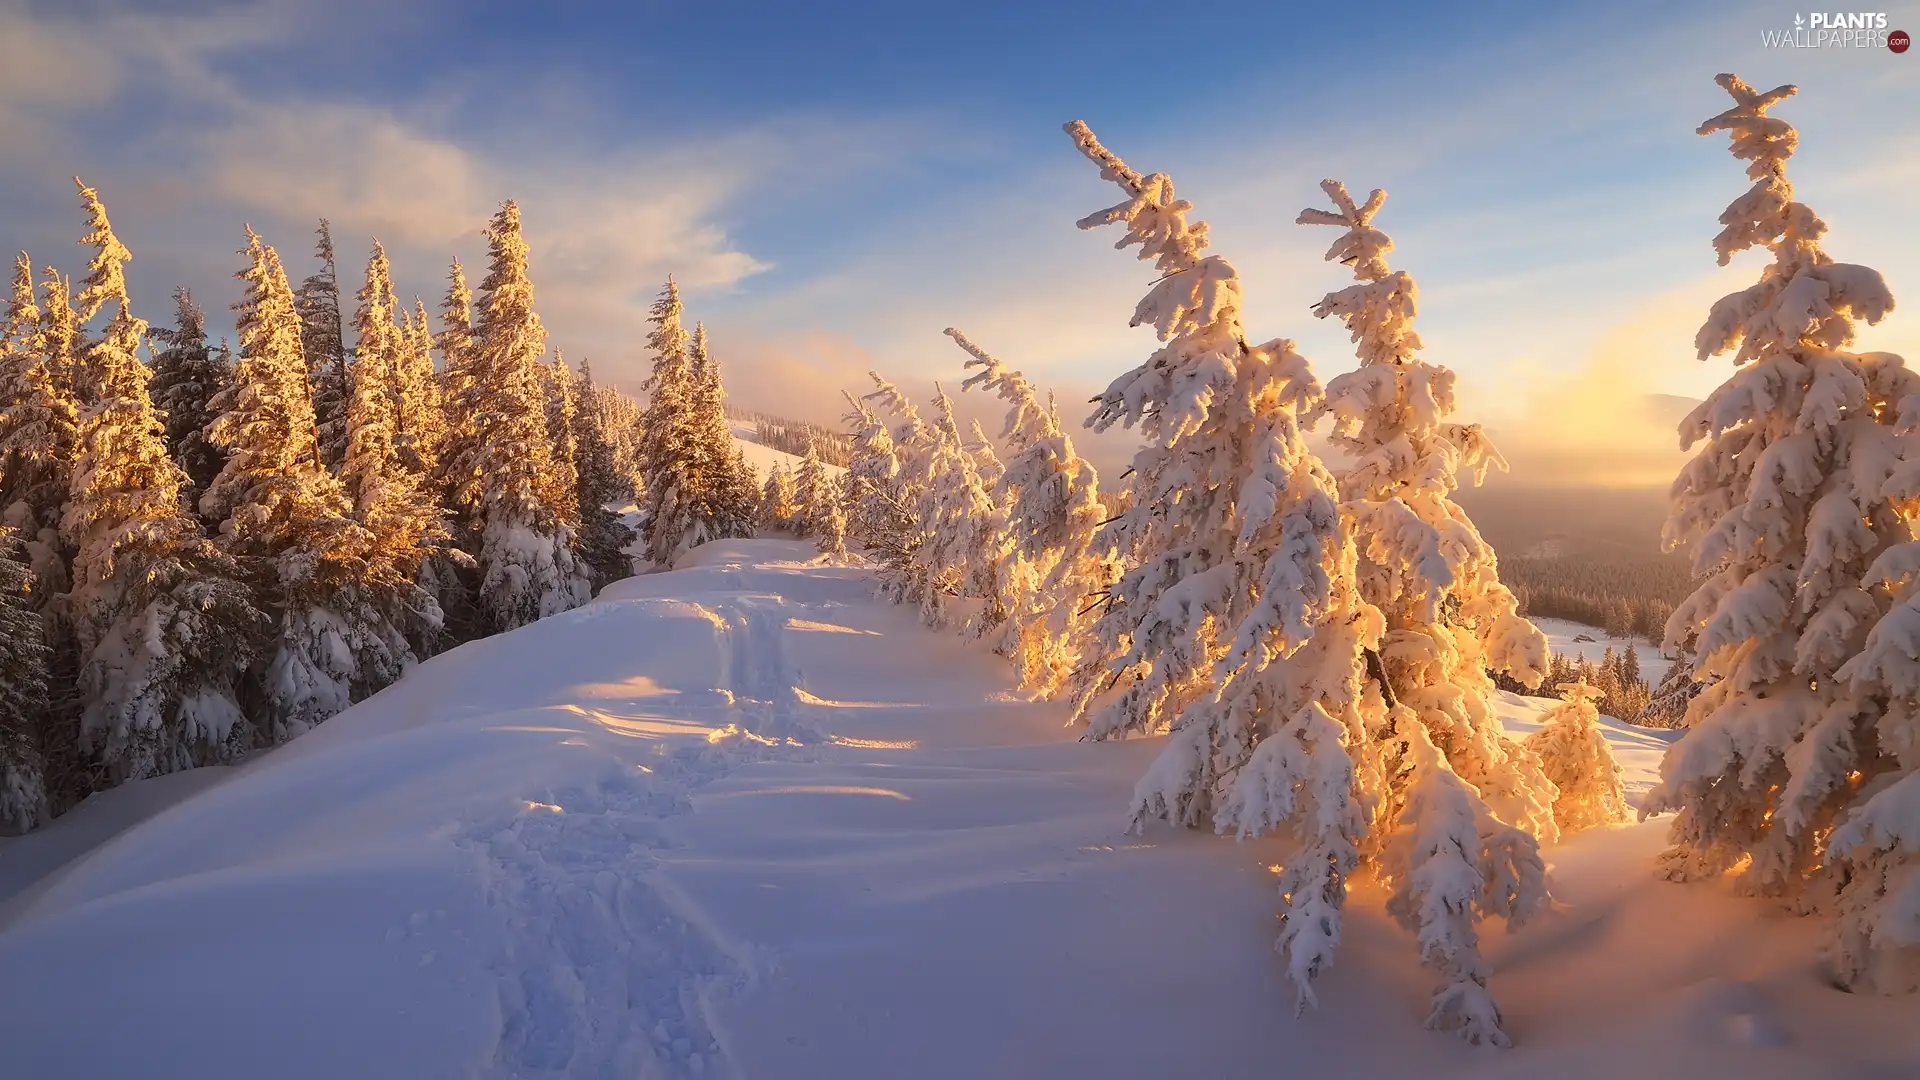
(837, 183)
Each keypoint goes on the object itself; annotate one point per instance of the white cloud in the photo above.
(1547, 211)
(608, 220)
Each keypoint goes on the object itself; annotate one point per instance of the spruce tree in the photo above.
(957, 519)
(1221, 424)
(830, 522)
(23, 694)
(38, 432)
(1607, 679)
(1574, 752)
(451, 573)
(1052, 513)
(1667, 703)
(1242, 624)
(666, 448)
(323, 343)
(560, 488)
(419, 420)
(525, 553)
(620, 421)
(162, 621)
(1237, 623)
(187, 376)
(39, 439)
(289, 521)
(728, 498)
(779, 500)
(895, 470)
(1422, 563)
(62, 339)
(455, 341)
(810, 491)
(604, 537)
(878, 519)
(1797, 768)
(389, 499)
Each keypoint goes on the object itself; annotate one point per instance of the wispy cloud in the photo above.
(1547, 192)
(609, 218)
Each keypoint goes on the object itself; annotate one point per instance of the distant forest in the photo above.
(791, 436)
(1588, 555)
(1591, 555)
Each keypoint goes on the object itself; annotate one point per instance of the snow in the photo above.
(1562, 632)
(1637, 749)
(742, 820)
(28, 863)
(764, 458)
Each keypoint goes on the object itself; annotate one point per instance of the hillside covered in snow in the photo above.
(743, 820)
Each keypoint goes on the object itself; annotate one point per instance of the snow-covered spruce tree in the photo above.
(1800, 759)
(810, 491)
(1447, 621)
(779, 500)
(1667, 707)
(1422, 562)
(162, 622)
(1242, 624)
(459, 441)
(906, 457)
(995, 574)
(830, 523)
(986, 459)
(560, 487)
(39, 439)
(419, 423)
(323, 341)
(289, 522)
(1209, 406)
(528, 566)
(23, 694)
(620, 420)
(1576, 757)
(451, 573)
(604, 537)
(1237, 622)
(666, 447)
(388, 498)
(726, 499)
(187, 375)
(957, 519)
(1052, 513)
(63, 341)
(39, 424)
(874, 520)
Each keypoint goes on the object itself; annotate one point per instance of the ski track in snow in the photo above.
(603, 973)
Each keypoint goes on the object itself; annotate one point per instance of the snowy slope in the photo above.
(764, 458)
(1562, 635)
(740, 820)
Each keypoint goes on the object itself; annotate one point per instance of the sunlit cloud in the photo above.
(1557, 213)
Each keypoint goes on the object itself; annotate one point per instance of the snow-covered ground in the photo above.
(741, 820)
(1562, 635)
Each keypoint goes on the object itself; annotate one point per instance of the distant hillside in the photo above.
(1567, 521)
(1670, 408)
(1587, 554)
(762, 458)
(791, 436)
